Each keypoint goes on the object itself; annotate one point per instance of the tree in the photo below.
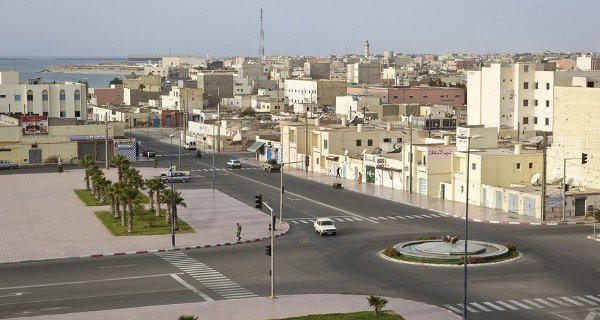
(186, 317)
(115, 81)
(142, 87)
(377, 302)
(133, 178)
(122, 163)
(154, 186)
(133, 201)
(247, 112)
(103, 183)
(85, 163)
(177, 200)
(110, 192)
(117, 189)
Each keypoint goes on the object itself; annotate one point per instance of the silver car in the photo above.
(5, 164)
(176, 177)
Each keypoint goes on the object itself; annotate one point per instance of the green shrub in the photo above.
(184, 317)
(425, 237)
(511, 246)
(391, 252)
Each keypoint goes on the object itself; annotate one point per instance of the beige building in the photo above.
(146, 83)
(351, 106)
(183, 99)
(131, 116)
(431, 166)
(320, 92)
(363, 73)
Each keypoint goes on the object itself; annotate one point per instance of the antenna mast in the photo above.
(261, 46)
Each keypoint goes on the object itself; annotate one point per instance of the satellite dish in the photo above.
(346, 153)
(535, 178)
(363, 152)
(377, 151)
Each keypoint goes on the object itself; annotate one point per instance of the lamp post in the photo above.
(466, 258)
(281, 189)
(172, 196)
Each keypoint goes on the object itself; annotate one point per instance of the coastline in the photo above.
(95, 69)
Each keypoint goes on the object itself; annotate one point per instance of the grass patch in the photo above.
(363, 315)
(88, 198)
(509, 255)
(145, 224)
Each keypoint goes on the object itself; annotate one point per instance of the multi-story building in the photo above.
(183, 99)
(104, 96)
(317, 70)
(518, 96)
(351, 106)
(588, 62)
(215, 86)
(363, 73)
(421, 95)
(52, 99)
(320, 92)
(146, 83)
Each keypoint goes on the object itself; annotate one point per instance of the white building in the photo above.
(516, 96)
(351, 106)
(53, 99)
(367, 73)
(320, 92)
(183, 98)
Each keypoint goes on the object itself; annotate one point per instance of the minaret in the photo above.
(367, 54)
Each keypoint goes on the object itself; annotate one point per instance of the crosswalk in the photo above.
(221, 169)
(380, 218)
(206, 275)
(527, 304)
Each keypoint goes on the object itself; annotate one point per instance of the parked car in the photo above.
(176, 176)
(234, 163)
(271, 165)
(5, 164)
(325, 226)
(190, 145)
(149, 153)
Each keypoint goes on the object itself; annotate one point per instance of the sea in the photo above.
(31, 68)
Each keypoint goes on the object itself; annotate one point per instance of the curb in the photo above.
(591, 237)
(519, 257)
(113, 254)
(521, 223)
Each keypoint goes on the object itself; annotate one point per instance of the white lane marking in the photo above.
(542, 301)
(593, 298)
(382, 218)
(303, 221)
(400, 217)
(477, 305)
(591, 316)
(358, 219)
(585, 300)
(88, 281)
(537, 305)
(471, 309)
(373, 218)
(562, 303)
(391, 217)
(517, 303)
(504, 304)
(14, 294)
(491, 305)
(451, 308)
(295, 222)
(192, 288)
(572, 301)
(418, 216)
(120, 266)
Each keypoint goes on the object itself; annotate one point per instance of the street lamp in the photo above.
(466, 258)
(172, 196)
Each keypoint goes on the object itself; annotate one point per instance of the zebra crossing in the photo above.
(206, 275)
(380, 218)
(220, 169)
(527, 304)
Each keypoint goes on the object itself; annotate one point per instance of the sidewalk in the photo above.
(56, 224)
(264, 308)
(451, 208)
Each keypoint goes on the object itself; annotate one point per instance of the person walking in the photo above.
(239, 232)
(360, 178)
(337, 173)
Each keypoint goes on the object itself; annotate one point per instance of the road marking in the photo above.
(542, 301)
(303, 221)
(88, 281)
(572, 301)
(537, 305)
(401, 217)
(382, 218)
(585, 300)
(517, 303)
(14, 294)
(192, 288)
(562, 303)
(391, 217)
(593, 298)
(477, 305)
(504, 304)
(120, 266)
(491, 305)
(451, 308)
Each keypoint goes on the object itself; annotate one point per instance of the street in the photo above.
(555, 279)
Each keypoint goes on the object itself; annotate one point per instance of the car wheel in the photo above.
(334, 233)
(183, 180)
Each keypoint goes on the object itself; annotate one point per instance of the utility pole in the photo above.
(410, 156)
(306, 138)
(219, 119)
(272, 273)
(544, 168)
(106, 143)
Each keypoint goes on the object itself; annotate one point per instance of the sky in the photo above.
(101, 28)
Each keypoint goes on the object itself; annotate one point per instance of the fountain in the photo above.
(450, 249)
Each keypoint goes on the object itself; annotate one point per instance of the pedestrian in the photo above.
(155, 162)
(239, 232)
(337, 173)
(359, 178)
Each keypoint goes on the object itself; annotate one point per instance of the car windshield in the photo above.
(326, 223)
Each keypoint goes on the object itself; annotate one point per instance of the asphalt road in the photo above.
(556, 279)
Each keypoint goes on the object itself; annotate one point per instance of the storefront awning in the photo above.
(255, 146)
(332, 158)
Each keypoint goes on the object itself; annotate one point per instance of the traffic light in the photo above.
(268, 250)
(307, 160)
(567, 187)
(273, 223)
(583, 158)
(258, 201)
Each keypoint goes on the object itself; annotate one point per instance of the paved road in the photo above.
(557, 278)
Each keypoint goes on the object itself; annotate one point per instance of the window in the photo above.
(358, 143)
(525, 85)
(536, 85)
(2, 96)
(398, 140)
(525, 68)
(425, 97)
(473, 166)
(525, 103)
(457, 95)
(462, 189)
(531, 165)
(29, 95)
(547, 121)
(63, 114)
(77, 114)
(45, 113)
(535, 102)
(62, 95)
(410, 97)
(17, 97)
(370, 142)
(547, 103)
(525, 120)
(396, 97)
(534, 120)
(518, 165)
(547, 86)
(45, 95)
(324, 143)
(387, 140)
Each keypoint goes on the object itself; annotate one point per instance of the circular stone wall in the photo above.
(438, 249)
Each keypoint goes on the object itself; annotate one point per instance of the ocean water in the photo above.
(33, 68)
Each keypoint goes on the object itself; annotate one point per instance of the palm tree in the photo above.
(159, 199)
(165, 197)
(133, 178)
(89, 173)
(377, 302)
(96, 177)
(117, 189)
(185, 317)
(102, 185)
(85, 163)
(153, 186)
(110, 192)
(122, 163)
(177, 200)
(133, 200)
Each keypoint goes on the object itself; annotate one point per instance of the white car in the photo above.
(234, 163)
(325, 226)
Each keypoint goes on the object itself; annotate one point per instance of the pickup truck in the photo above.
(271, 166)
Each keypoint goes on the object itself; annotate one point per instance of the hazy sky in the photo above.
(302, 27)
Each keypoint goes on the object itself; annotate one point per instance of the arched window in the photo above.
(77, 95)
(45, 95)
(29, 95)
(62, 95)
